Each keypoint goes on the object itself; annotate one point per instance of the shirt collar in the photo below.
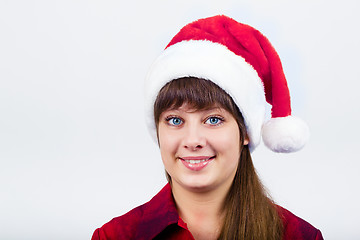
(158, 213)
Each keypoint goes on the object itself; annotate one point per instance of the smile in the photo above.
(196, 163)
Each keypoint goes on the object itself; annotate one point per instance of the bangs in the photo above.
(198, 94)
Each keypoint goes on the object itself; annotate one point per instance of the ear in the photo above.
(246, 140)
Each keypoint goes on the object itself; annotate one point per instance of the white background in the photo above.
(74, 149)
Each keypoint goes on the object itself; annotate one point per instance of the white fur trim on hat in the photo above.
(285, 134)
(215, 62)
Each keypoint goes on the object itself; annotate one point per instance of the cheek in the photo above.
(167, 142)
(168, 150)
(227, 143)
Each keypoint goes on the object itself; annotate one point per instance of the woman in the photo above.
(205, 97)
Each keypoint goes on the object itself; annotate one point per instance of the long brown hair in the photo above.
(249, 212)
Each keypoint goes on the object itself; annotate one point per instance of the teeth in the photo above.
(195, 161)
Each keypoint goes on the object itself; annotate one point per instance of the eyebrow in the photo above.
(214, 107)
(209, 109)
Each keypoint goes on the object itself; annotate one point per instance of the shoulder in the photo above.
(123, 227)
(145, 220)
(297, 228)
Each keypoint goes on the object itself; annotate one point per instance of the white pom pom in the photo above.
(285, 134)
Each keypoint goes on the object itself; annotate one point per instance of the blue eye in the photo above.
(213, 120)
(174, 121)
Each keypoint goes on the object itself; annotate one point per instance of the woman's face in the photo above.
(200, 149)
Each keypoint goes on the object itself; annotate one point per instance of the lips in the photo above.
(196, 163)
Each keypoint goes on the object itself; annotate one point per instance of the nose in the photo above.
(194, 138)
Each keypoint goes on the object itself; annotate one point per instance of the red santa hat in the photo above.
(240, 60)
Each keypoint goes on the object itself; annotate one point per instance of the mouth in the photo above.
(196, 163)
(194, 160)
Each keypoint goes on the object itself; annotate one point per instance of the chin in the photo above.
(198, 185)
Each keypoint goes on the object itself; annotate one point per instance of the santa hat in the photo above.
(240, 60)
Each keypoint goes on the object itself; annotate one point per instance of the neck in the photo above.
(202, 211)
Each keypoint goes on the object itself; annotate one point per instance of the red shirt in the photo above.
(159, 219)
